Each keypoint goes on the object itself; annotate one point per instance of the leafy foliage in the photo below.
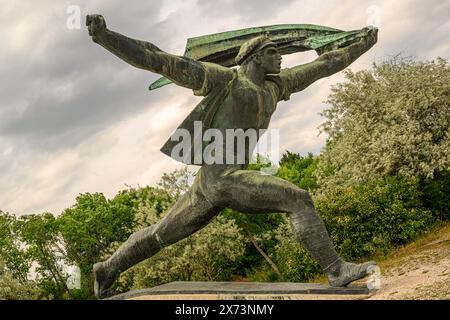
(299, 170)
(394, 119)
(13, 289)
(12, 254)
(43, 245)
(435, 194)
(374, 216)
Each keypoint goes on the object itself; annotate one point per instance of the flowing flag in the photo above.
(222, 48)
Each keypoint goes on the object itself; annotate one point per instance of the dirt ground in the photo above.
(420, 271)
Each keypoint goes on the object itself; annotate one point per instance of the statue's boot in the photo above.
(349, 272)
(140, 246)
(311, 232)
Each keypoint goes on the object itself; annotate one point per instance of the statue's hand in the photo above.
(371, 35)
(96, 25)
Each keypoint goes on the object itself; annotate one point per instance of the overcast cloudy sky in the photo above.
(74, 118)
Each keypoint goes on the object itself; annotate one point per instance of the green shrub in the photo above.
(374, 216)
(435, 194)
(299, 170)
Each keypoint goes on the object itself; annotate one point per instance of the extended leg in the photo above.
(249, 191)
(189, 214)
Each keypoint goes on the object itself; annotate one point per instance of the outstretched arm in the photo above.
(144, 55)
(298, 78)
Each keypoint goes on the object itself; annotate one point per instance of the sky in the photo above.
(74, 118)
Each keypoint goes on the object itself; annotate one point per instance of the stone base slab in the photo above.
(187, 290)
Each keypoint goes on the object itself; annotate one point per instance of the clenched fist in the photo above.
(96, 25)
(371, 35)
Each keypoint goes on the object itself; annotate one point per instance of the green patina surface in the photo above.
(222, 48)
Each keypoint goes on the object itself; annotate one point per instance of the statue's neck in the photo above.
(254, 73)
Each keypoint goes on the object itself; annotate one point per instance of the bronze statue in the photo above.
(244, 98)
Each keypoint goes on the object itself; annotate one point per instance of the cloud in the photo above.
(74, 118)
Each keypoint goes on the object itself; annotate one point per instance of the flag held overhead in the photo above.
(222, 48)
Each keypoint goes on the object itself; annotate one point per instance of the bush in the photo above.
(293, 261)
(435, 195)
(374, 216)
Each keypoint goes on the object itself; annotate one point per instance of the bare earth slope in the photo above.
(420, 270)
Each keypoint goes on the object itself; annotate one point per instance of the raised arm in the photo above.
(298, 78)
(145, 55)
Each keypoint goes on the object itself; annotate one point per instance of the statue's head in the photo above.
(262, 52)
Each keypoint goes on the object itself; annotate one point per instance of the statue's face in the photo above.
(270, 60)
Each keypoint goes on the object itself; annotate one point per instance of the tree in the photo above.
(91, 227)
(32, 256)
(177, 182)
(299, 170)
(12, 253)
(394, 119)
(40, 235)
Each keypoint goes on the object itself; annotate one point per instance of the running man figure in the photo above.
(241, 99)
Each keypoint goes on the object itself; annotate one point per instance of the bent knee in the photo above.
(219, 194)
(299, 194)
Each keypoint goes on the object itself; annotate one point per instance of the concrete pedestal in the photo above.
(246, 291)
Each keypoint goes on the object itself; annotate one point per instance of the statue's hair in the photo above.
(252, 47)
